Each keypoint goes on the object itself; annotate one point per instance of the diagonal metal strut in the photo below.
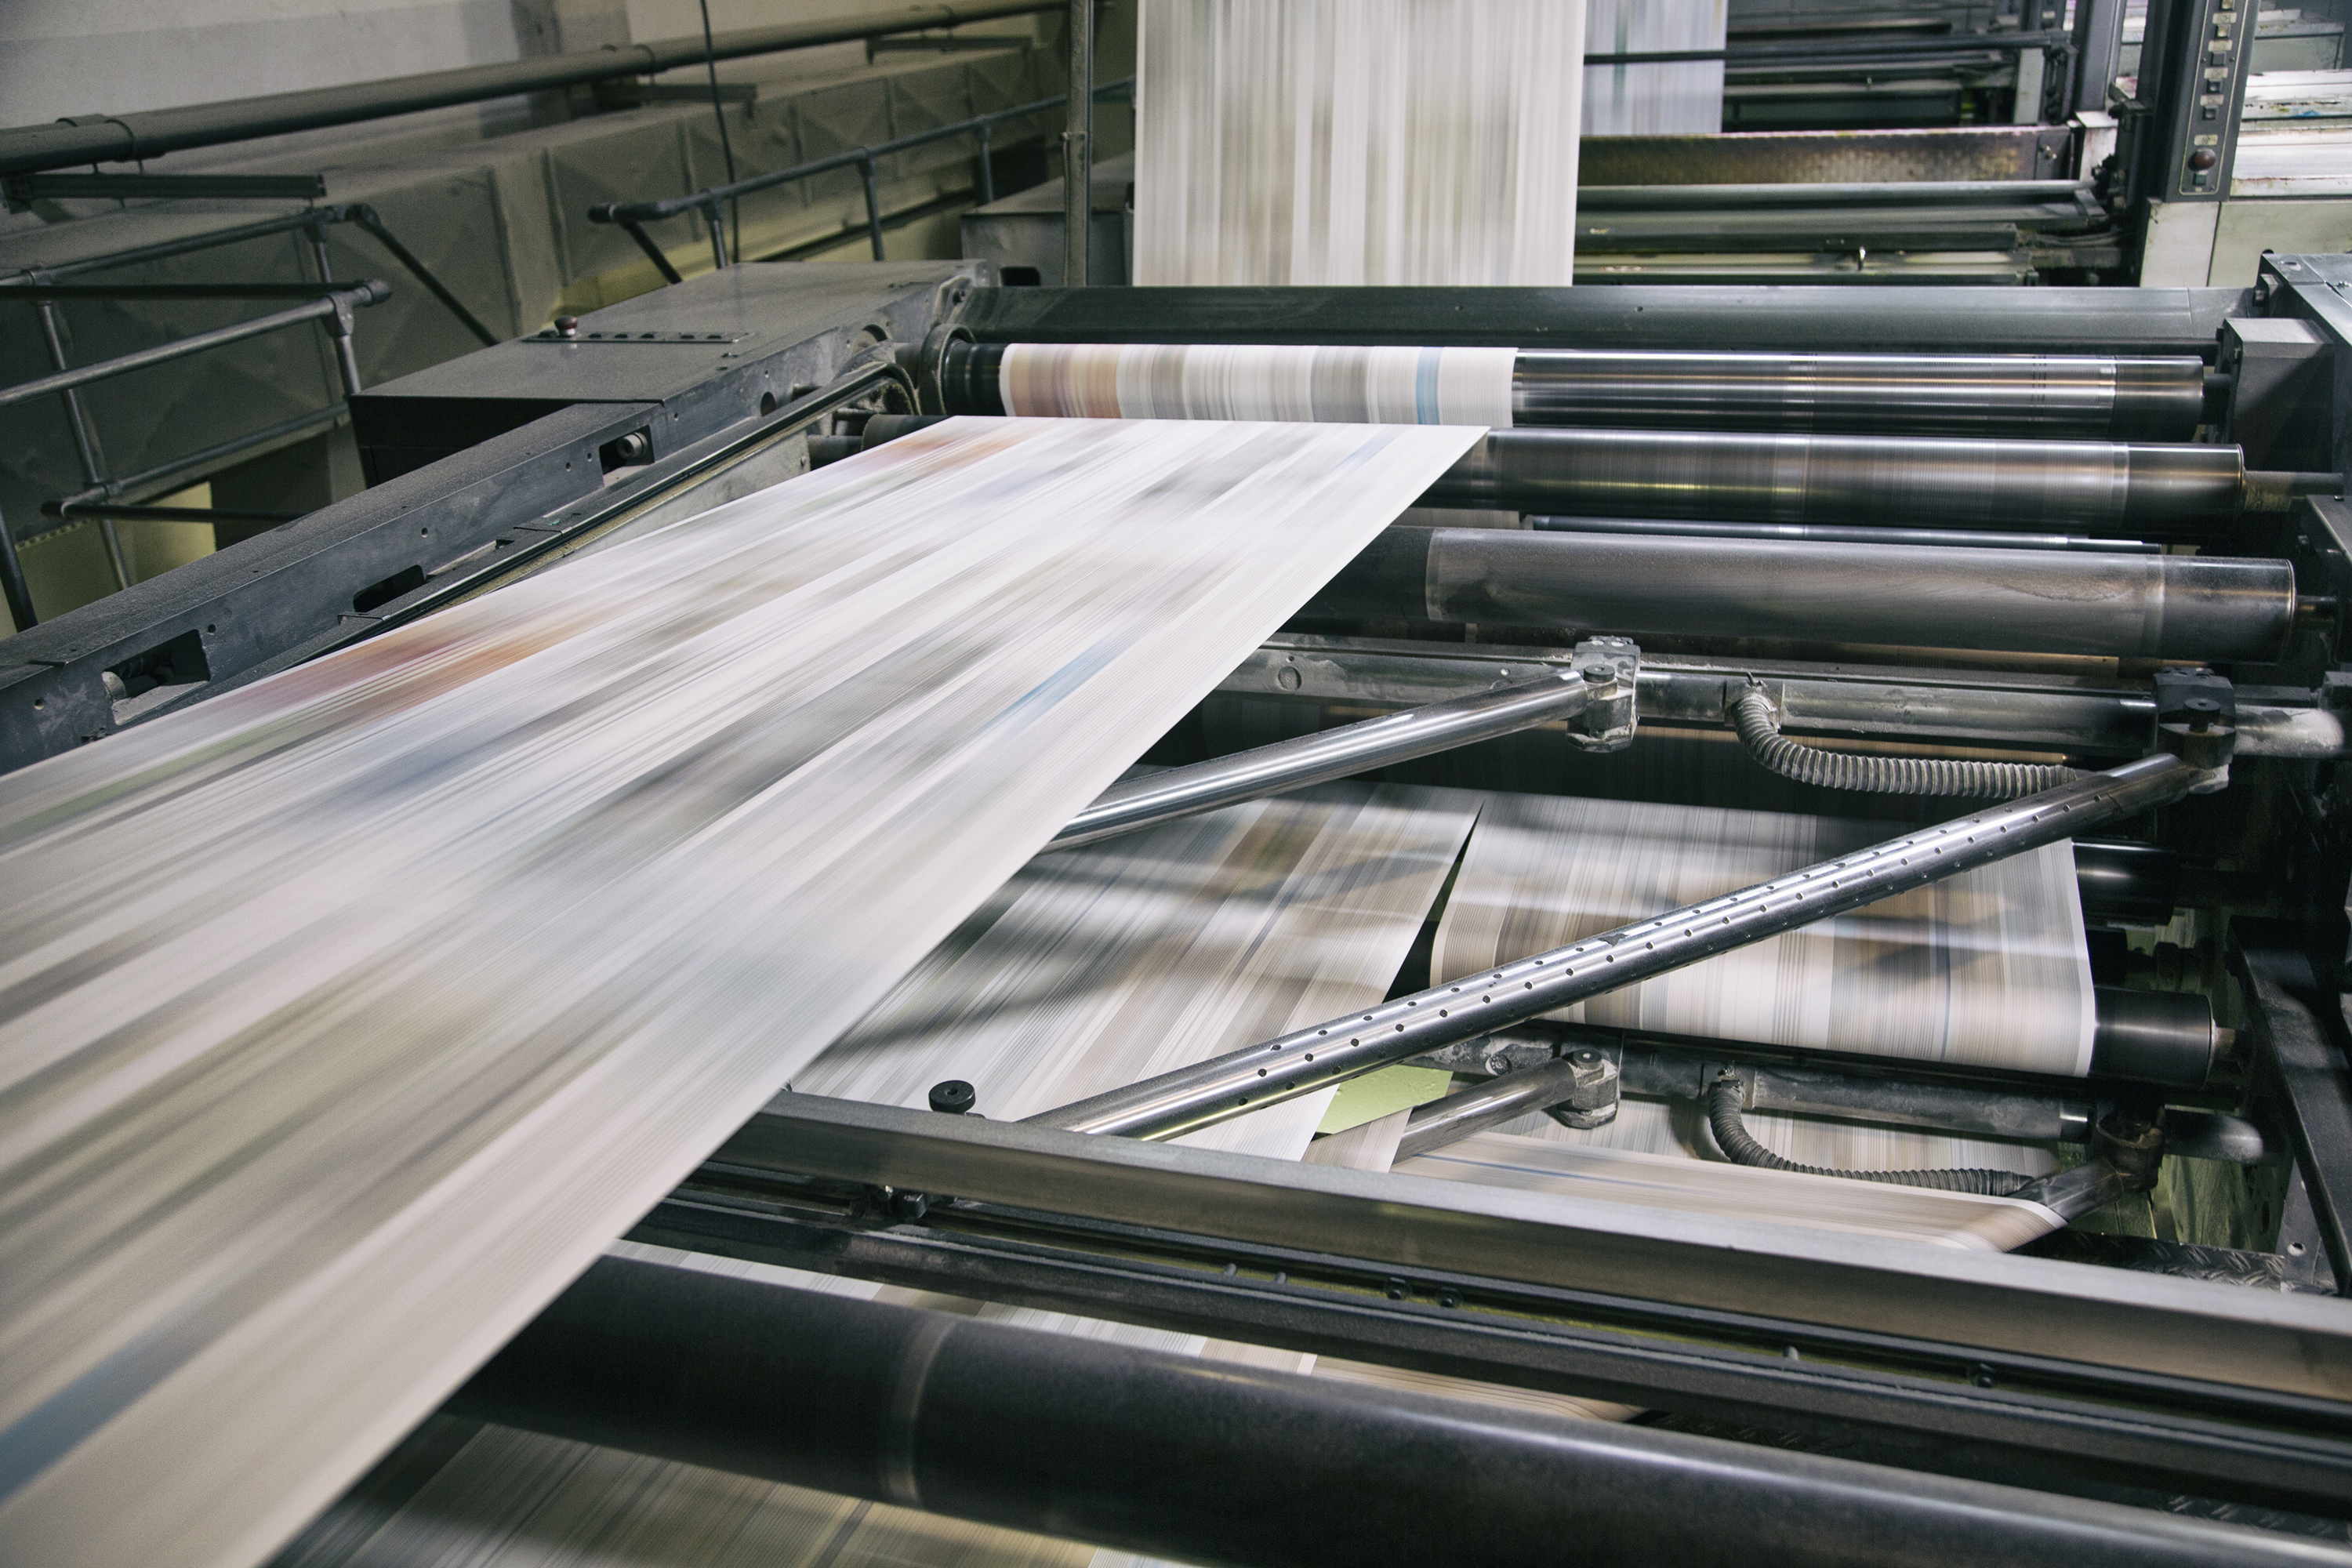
(1315, 1057)
(1154, 798)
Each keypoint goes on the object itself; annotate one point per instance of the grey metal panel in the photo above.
(760, 332)
(253, 600)
(752, 310)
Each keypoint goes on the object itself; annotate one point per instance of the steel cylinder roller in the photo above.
(2036, 486)
(1940, 395)
(2032, 601)
(2096, 397)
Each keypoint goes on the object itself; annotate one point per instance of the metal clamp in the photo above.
(1611, 667)
(1593, 1101)
(927, 365)
(2196, 721)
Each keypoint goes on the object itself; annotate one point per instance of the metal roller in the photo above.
(1168, 1456)
(2099, 397)
(1928, 394)
(2003, 486)
(2019, 600)
(1841, 533)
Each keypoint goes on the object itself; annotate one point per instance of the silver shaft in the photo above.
(1326, 755)
(2034, 396)
(2200, 607)
(1490, 1104)
(1315, 1057)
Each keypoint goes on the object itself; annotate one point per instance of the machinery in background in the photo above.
(2136, 1362)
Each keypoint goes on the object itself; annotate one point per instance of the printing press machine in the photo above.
(1809, 1398)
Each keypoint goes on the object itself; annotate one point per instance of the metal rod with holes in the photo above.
(1315, 1057)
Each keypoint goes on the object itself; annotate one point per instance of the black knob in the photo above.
(567, 326)
(953, 1098)
(2203, 158)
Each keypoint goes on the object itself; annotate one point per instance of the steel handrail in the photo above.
(631, 217)
(359, 213)
(337, 303)
(117, 138)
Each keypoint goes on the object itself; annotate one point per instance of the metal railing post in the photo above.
(19, 592)
(84, 444)
(873, 201)
(715, 210)
(338, 325)
(346, 354)
(319, 247)
(987, 169)
(1078, 147)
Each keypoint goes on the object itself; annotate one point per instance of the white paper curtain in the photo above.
(1393, 142)
(1682, 99)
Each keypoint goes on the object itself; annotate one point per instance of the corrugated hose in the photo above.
(1727, 1098)
(1750, 712)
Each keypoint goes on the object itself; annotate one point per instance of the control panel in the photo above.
(2204, 61)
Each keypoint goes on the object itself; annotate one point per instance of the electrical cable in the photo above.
(1749, 712)
(1724, 1107)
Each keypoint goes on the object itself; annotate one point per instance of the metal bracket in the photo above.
(1611, 667)
(1593, 1102)
(927, 365)
(2196, 721)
